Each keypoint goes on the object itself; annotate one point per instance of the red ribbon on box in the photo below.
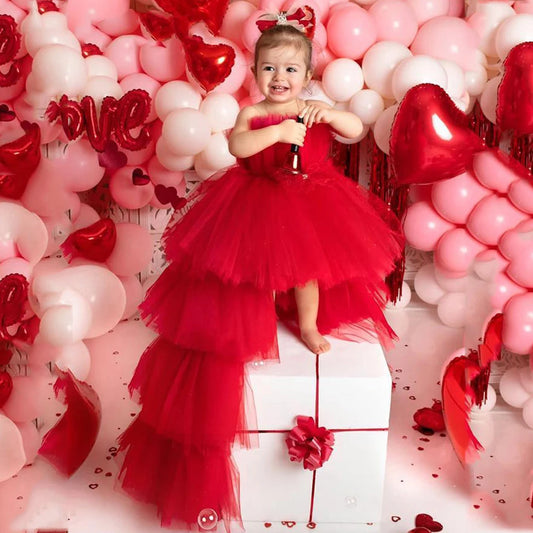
(318, 444)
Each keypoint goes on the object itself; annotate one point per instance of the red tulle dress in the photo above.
(249, 237)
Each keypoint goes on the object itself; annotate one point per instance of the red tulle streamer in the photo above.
(69, 442)
(309, 444)
(116, 118)
(10, 40)
(95, 242)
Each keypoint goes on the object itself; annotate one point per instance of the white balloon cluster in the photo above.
(516, 388)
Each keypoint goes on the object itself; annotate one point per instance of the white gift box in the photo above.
(354, 394)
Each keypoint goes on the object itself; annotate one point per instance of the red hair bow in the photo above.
(302, 19)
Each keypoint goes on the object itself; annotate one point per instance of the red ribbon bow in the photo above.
(309, 443)
(302, 19)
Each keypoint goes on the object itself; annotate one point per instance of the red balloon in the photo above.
(210, 64)
(515, 92)
(187, 12)
(6, 386)
(430, 139)
(10, 40)
(18, 160)
(95, 242)
(99, 128)
(159, 26)
(131, 111)
(71, 115)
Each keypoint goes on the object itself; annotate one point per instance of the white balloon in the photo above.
(511, 389)
(512, 31)
(526, 379)
(12, 456)
(101, 86)
(379, 63)
(451, 309)
(221, 110)
(455, 78)
(101, 66)
(404, 299)
(475, 80)
(315, 91)
(360, 137)
(186, 131)
(216, 154)
(76, 358)
(450, 284)
(367, 105)
(176, 95)
(169, 159)
(416, 70)
(382, 128)
(489, 98)
(342, 78)
(426, 285)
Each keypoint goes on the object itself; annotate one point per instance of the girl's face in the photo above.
(281, 73)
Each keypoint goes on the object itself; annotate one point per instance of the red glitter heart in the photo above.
(138, 177)
(426, 521)
(6, 114)
(112, 158)
(6, 386)
(169, 195)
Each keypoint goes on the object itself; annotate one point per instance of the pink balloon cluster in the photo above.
(482, 219)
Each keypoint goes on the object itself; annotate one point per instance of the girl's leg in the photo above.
(307, 304)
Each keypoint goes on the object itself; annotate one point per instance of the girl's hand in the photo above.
(292, 132)
(316, 114)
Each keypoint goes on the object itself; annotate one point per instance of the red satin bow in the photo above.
(308, 443)
(302, 19)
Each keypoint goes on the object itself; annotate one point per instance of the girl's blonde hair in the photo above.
(284, 35)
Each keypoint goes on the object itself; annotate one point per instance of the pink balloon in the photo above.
(31, 440)
(455, 198)
(395, 21)
(428, 9)
(8, 249)
(126, 192)
(250, 31)
(163, 61)
(448, 38)
(140, 157)
(9, 8)
(497, 170)
(456, 251)
(134, 295)
(78, 12)
(521, 194)
(120, 25)
(456, 8)
(15, 265)
(236, 15)
(161, 175)
(351, 32)
(124, 52)
(502, 290)
(517, 331)
(492, 217)
(488, 263)
(27, 399)
(132, 251)
(423, 227)
(49, 132)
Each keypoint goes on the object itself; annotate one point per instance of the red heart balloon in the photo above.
(95, 242)
(6, 386)
(6, 114)
(426, 520)
(18, 160)
(160, 27)
(515, 92)
(430, 139)
(187, 12)
(210, 64)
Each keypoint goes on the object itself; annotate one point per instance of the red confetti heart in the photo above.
(426, 521)
(6, 114)
(210, 64)
(95, 242)
(430, 137)
(112, 158)
(169, 195)
(6, 386)
(138, 177)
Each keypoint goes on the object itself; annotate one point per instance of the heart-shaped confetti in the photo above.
(426, 521)
(6, 114)
(169, 195)
(138, 177)
(112, 158)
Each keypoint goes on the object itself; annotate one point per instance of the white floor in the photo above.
(423, 474)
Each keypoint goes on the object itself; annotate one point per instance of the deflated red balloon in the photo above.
(430, 138)
(95, 242)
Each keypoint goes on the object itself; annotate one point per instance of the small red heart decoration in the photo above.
(6, 386)
(515, 92)
(6, 114)
(429, 419)
(112, 158)
(90, 49)
(430, 138)
(95, 242)
(169, 195)
(426, 521)
(46, 5)
(138, 177)
(210, 64)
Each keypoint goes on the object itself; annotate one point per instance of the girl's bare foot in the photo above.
(314, 341)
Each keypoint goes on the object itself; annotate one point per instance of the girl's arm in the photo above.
(244, 142)
(344, 123)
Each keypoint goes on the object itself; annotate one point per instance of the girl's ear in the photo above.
(308, 76)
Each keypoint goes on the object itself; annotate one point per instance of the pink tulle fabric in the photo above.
(250, 236)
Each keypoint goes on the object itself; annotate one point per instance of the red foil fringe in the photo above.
(489, 133)
(522, 150)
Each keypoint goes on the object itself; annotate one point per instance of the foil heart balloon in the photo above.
(187, 12)
(430, 139)
(210, 64)
(95, 242)
(18, 160)
(515, 92)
